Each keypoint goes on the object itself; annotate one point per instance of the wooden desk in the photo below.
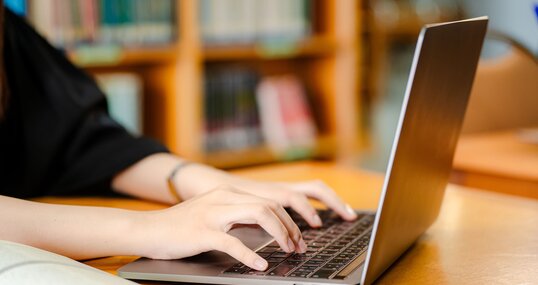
(497, 161)
(480, 237)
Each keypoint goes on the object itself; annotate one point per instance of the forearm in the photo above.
(75, 231)
(147, 179)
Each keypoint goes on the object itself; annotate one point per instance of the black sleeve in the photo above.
(57, 137)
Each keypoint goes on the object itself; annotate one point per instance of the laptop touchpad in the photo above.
(252, 236)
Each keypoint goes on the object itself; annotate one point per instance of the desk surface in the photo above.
(498, 161)
(480, 237)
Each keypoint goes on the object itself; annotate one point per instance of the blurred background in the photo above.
(237, 83)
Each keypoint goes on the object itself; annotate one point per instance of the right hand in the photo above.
(201, 224)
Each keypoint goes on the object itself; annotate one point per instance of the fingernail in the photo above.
(260, 264)
(291, 246)
(351, 211)
(302, 246)
(317, 220)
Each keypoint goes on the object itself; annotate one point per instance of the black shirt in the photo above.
(56, 137)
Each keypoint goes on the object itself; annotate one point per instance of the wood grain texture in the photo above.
(480, 237)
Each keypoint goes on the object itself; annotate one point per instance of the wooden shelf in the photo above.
(113, 56)
(314, 46)
(262, 155)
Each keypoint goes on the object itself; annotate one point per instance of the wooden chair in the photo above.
(505, 91)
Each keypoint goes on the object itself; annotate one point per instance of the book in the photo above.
(22, 264)
(287, 122)
(124, 97)
(230, 113)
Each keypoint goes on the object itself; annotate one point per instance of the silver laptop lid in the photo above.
(432, 114)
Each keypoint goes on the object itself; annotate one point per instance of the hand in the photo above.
(296, 195)
(197, 179)
(201, 224)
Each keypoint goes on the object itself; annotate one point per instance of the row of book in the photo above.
(231, 114)
(70, 23)
(248, 21)
(244, 110)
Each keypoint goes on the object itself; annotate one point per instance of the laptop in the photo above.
(358, 252)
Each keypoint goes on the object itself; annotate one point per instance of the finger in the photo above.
(320, 191)
(236, 249)
(300, 204)
(285, 219)
(260, 214)
(290, 225)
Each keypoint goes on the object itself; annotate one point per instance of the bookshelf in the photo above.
(326, 61)
(119, 57)
(311, 47)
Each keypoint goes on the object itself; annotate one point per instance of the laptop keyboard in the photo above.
(333, 250)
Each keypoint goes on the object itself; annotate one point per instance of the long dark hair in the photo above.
(3, 81)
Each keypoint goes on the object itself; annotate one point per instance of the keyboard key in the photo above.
(282, 269)
(307, 268)
(314, 262)
(292, 262)
(324, 240)
(324, 256)
(331, 265)
(329, 251)
(298, 274)
(237, 269)
(323, 273)
(299, 256)
(256, 272)
(317, 243)
(275, 259)
(340, 260)
(346, 255)
(281, 254)
(264, 254)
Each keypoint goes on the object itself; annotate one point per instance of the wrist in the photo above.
(136, 225)
(171, 180)
(197, 179)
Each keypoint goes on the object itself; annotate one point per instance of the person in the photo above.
(56, 138)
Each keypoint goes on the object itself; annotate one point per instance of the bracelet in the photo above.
(170, 180)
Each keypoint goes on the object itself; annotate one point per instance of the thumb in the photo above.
(236, 249)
